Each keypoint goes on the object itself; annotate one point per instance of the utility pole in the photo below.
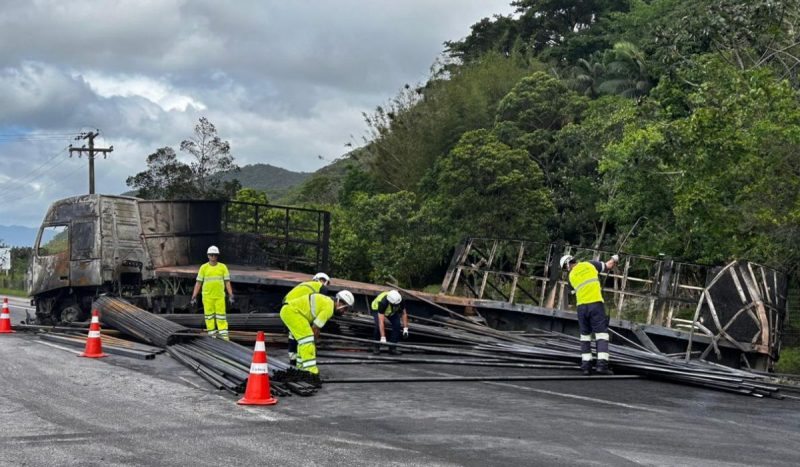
(92, 151)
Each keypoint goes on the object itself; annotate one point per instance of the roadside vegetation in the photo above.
(568, 121)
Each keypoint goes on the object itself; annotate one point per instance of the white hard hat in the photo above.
(346, 296)
(212, 250)
(565, 260)
(394, 297)
(321, 276)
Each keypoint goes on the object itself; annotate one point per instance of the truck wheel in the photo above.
(71, 314)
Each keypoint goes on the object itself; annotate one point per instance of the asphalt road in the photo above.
(56, 409)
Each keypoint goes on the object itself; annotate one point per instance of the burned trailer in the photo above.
(86, 246)
(99, 244)
(732, 315)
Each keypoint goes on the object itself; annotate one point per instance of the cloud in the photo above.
(284, 82)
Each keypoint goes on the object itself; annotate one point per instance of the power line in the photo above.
(22, 180)
(79, 167)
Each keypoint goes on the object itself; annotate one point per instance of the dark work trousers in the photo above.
(592, 319)
(394, 319)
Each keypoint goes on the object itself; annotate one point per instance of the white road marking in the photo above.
(49, 344)
(593, 400)
(189, 382)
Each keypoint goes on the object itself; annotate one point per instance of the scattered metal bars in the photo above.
(110, 345)
(139, 323)
(226, 365)
(480, 342)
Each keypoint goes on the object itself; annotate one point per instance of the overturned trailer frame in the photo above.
(733, 315)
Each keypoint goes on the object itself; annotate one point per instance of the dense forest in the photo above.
(572, 119)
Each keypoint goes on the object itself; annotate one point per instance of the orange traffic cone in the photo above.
(258, 391)
(94, 347)
(5, 319)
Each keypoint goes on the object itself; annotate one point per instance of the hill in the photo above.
(276, 181)
(322, 186)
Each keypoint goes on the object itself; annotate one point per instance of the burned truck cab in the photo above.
(87, 245)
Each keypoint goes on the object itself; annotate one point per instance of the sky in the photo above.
(285, 82)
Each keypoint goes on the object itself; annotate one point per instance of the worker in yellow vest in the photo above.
(317, 284)
(305, 316)
(592, 320)
(214, 279)
(387, 306)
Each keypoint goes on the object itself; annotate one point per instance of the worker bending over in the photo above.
(387, 306)
(317, 284)
(305, 316)
(214, 278)
(592, 320)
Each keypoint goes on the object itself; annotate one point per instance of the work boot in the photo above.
(293, 363)
(395, 351)
(603, 369)
(314, 380)
(376, 349)
(586, 368)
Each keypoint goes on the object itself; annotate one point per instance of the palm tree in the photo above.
(627, 72)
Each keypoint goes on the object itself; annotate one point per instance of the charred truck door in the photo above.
(52, 256)
(85, 254)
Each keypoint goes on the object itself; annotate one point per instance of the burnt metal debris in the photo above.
(742, 306)
(95, 244)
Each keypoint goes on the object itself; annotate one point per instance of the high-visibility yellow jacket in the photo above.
(316, 308)
(302, 289)
(213, 279)
(585, 280)
(381, 305)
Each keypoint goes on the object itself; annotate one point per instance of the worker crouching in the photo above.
(305, 316)
(592, 320)
(387, 306)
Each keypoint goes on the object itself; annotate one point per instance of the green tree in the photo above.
(211, 156)
(165, 177)
(384, 236)
(627, 72)
(422, 124)
(722, 173)
(483, 187)
(532, 113)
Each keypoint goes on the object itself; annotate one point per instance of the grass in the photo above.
(789, 361)
(13, 292)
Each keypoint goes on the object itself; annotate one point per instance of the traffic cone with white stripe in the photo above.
(258, 390)
(5, 319)
(94, 347)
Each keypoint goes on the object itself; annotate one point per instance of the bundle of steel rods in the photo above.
(267, 322)
(138, 323)
(226, 365)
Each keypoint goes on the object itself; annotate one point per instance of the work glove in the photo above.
(230, 299)
(193, 302)
(383, 340)
(405, 333)
(615, 258)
